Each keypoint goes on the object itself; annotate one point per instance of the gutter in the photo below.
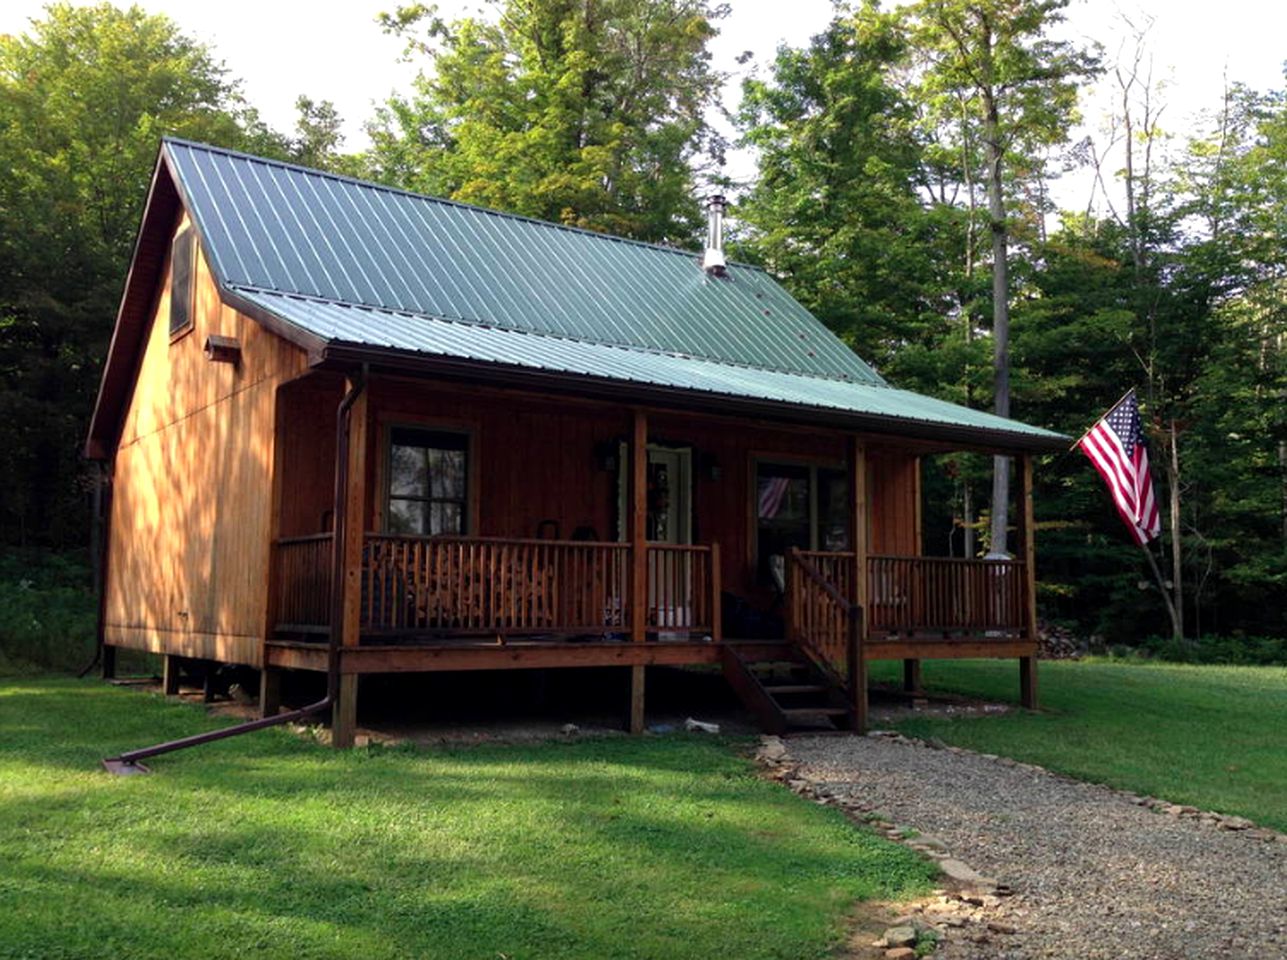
(128, 763)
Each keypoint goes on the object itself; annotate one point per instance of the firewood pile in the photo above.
(1057, 643)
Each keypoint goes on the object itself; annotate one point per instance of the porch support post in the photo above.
(107, 662)
(170, 675)
(344, 713)
(638, 561)
(270, 691)
(860, 615)
(1028, 665)
(912, 676)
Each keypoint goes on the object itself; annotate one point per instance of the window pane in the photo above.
(833, 510)
(447, 474)
(407, 516)
(181, 281)
(783, 509)
(408, 472)
(446, 518)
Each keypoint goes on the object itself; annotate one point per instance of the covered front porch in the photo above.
(543, 531)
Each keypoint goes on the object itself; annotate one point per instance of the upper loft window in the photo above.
(182, 267)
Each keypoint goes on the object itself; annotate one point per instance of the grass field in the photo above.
(1214, 737)
(272, 846)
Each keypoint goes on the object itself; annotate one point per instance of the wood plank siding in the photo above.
(188, 561)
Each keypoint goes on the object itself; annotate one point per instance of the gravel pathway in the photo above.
(1094, 874)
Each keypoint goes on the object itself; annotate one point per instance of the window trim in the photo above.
(188, 230)
(385, 471)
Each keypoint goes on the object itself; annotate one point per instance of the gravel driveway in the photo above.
(1093, 873)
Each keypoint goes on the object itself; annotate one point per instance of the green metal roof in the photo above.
(356, 264)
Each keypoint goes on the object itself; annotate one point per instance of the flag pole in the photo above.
(1078, 441)
(1161, 588)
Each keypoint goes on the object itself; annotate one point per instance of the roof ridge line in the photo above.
(542, 334)
(491, 211)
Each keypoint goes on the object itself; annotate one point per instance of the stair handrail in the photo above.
(797, 636)
(854, 681)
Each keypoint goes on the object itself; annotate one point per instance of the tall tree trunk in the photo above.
(1177, 571)
(1000, 318)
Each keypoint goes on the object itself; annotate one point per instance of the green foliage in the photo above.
(1207, 736)
(1224, 651)
(587, 114)
(84, 97)
(47, 612)
(270, 846)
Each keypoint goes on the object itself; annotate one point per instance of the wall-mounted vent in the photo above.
(713, 260)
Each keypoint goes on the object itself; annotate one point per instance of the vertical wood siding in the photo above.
(191, 506)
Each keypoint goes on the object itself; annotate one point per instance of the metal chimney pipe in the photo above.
(713, 261)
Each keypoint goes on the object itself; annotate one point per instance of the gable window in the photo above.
(798, 505)
(428, 481)
(182, 264)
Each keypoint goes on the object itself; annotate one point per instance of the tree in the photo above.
(994, 61)
(836, 209)
(584, 112)
(85, 95)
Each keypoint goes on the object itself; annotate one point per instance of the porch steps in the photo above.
(786, 695)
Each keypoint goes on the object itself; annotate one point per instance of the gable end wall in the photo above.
(192, 497)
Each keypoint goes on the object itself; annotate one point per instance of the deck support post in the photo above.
(856, 662)
(638, 561)
(107, 662)
(170, 675)
(1027, 524)
(911, 676)
(858, 614)
(270, 691)
(344, 712)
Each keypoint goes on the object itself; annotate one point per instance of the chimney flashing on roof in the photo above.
(713, 260)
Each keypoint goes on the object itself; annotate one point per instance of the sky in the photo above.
(283, 48)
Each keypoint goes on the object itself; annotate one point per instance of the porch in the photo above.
(738, 543)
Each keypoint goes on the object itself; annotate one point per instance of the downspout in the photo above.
(128, 763)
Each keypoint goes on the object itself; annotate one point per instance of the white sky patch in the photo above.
(337, 52)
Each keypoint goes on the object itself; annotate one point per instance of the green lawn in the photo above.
(1214, 737)
(271, 846)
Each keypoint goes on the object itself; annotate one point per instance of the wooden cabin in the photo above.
(348, 427)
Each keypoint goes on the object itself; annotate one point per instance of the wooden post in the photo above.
(638, 561)
(344, 713)
(857, 671)
(912, 675)
(170, 675)
(270, 691)
(1028, 665)
(717, 607)
(858, 536)
(108, 662)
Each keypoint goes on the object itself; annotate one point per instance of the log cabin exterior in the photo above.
(352, 428)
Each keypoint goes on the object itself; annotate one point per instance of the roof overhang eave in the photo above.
(340, 355)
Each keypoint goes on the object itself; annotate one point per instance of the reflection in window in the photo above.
(799, 506)
(428, 481)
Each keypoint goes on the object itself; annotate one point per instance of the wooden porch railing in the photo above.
(936, 595)
(827, 627)
(481, 586)
(683, 588)
(491, 586)
(304, 583)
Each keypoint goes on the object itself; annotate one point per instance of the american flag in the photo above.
(1116, 447)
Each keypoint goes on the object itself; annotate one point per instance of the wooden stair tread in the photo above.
(815, 711)
(775, 689)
